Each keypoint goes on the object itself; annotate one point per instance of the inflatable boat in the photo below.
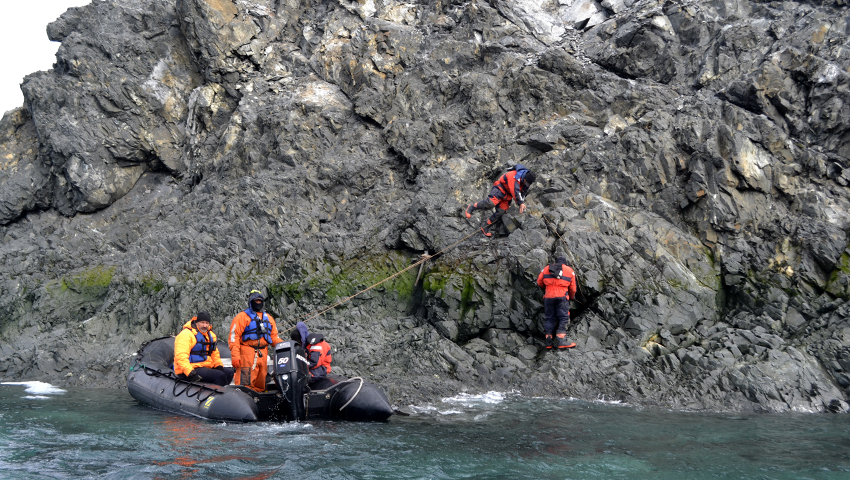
(288, 396)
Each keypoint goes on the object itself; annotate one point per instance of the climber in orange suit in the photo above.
(559, 280)
(513, 185)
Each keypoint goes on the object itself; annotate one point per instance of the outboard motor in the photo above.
(291, 373)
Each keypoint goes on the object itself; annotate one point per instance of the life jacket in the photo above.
(253, 330)
(557, 267)
(316, 343)
(203, 348)
(507, 182)
(557, 283)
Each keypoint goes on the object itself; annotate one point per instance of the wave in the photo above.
(608, 401)
(492, 397)
(37, 389)
(460, 403)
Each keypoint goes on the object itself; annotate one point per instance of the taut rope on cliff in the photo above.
(425, 258)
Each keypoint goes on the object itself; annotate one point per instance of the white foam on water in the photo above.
(274, 428)
(491, 397)
(804, 410)
(431, 410)
(291, 427)
(35, 397)
(38, 388)
(464, 400)
(603, 400)
(449, 412)
(423, 409)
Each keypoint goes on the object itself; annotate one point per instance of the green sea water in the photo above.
(47, 433)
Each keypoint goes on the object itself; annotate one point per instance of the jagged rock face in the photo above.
(116, 103)
(25, 180)
(691, 166)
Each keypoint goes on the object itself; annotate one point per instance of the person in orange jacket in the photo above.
(251, 332)
(559, 280)
(512, 185)
(196, 357)
(319, 356)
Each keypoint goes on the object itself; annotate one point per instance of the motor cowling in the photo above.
(291, 373)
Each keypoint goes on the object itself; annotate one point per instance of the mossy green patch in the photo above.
(92, 282)
(358, 274)
(843, 264)
(711, 258)
(466, 295)
(151, 284)
(292, 291)
(677, 284)
(839, 280)
(440, 275)
(437, 279)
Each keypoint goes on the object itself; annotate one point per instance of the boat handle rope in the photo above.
(190, 394)
(335, 387)
(152, 372)
(355, 393)
(174, 390)
(202, 399)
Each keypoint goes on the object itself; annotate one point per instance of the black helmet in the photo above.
(529, 178)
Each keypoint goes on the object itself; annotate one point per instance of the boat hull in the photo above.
(200, 400)
(152, 382)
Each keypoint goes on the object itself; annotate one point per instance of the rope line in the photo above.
(153, 372)
(355, 393)
(425, 258)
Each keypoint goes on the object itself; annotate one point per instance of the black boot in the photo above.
(485, 229)
(562, 341)
(548, 342)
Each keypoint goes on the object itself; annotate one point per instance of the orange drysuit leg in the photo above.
(258, 374)
(256, 361)
(247, 356)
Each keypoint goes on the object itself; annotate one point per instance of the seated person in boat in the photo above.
(196, 357)
(319, 356)
(300, 333)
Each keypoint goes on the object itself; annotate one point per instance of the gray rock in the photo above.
(692, 164)
(27, 183)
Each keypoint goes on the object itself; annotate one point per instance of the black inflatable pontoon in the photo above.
(287, 397)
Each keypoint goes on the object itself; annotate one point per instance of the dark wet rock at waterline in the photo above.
(692, 156)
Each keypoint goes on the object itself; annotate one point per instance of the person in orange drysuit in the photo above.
(559, 280)
(251, 332)
(319, 356)
(196, 357)
(512, 185)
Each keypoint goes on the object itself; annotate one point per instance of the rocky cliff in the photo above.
(692, 160)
